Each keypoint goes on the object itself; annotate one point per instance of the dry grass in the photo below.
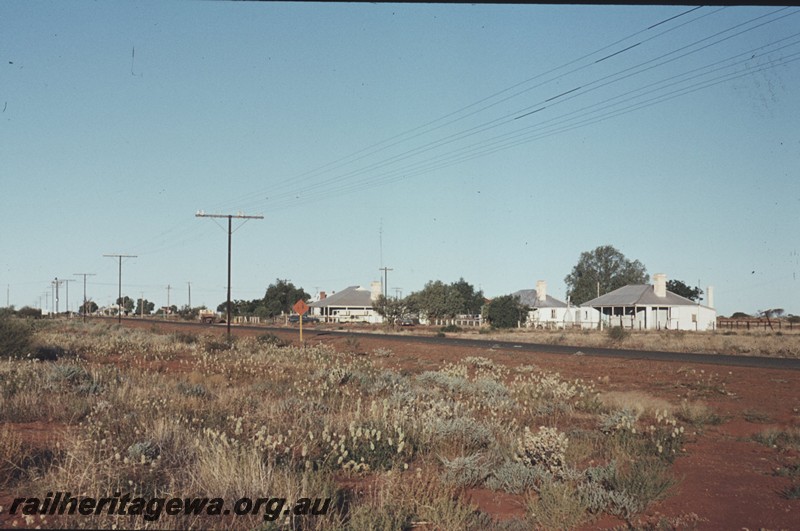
(181, 416)
(783, 343)
(639, 402)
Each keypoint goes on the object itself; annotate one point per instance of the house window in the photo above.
(552, 314)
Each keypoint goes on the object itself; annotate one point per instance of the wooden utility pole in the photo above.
(119, 304)
(67, 281)
(57, 283)
(385, 280)
(201, 214)
(84, 290)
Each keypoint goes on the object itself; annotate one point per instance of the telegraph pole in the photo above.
(385, 280)
(190, 295)
(57, 283)
(84, 290)
(120, 257)
(67, 281)
(167, 308)
(201, 214)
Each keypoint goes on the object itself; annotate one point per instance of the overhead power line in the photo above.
(362, 169)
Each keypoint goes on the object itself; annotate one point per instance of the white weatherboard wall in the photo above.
(648, 307)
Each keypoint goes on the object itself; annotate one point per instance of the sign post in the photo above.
(301, 308)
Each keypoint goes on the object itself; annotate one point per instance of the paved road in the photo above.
(682, 357)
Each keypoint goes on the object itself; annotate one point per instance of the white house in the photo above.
(650, 307)
(546, 311)
(351, 305)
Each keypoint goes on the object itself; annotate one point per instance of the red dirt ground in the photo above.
(727, 481)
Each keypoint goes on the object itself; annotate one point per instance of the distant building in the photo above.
(351, 305)
(650, 307)
(546, 311)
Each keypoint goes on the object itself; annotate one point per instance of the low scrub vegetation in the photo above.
(160, 415)
(778, 343)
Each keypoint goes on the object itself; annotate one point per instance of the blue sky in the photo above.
(490, 142)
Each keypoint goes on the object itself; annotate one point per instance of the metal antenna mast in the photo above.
(120, 256)
(84, 290)
(201, 214)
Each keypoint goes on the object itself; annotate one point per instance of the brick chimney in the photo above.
(375, 290)
(660, 284)
(541, 290)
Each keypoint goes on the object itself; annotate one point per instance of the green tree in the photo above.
(433, 300)
(27, 311)
(608, 267)
(16, 337)
(769, 314)
(239, 307)
(506, 311)
(148, 307)
(126, 303)
(680, 288)
(91, 307)
(190, 314)
(390, 309)
(280, 297)
(472, 301)
(438, 300)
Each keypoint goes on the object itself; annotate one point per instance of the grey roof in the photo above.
(638, 295)
(529, 298)
(352, 297)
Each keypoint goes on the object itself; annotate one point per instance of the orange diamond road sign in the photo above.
(300, 307)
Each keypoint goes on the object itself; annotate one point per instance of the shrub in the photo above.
(618, 334)
(513, 477)
(545, 448)
(15, 337)
(11, 456)
(272, 339)
(451, 328)
(49, 353)
(644, 481)
(783, 439)
(28, 312)
(214, 345)
(185, 337)
(697, 414)
(791, 493)
(465, 471)
(558, 506)
(353, 344)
